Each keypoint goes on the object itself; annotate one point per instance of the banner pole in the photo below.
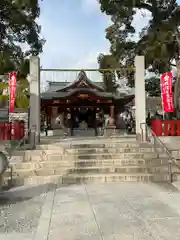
(162, 98)
(9, 100)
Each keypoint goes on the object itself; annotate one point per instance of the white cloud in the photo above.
(67, 47)
(90, 62)
(140, 21)
(91, 6)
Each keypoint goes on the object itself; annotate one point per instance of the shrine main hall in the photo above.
(82, 98)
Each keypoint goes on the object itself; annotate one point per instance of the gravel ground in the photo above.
(20, 216)
(20, 209)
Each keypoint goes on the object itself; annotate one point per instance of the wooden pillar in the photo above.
(112, 111)
(111, 115)
(49, 115)
(45, 114)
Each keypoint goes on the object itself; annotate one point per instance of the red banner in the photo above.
(12, 91)
(166, 92)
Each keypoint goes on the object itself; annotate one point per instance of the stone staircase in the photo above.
(98, 160)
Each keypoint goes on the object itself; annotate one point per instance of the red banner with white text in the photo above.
(12, 91)
(166, 92)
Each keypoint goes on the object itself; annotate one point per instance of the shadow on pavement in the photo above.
(166, 187)
(23, 193)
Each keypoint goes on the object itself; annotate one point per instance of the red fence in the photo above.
(12, 131)
(166, 128)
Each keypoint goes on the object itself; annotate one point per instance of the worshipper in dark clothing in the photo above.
(69, 123)
(127, 120)
(46, 128)
(101, 123)
(97, 122)
(148, 119)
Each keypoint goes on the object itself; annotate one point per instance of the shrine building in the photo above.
(82, 98)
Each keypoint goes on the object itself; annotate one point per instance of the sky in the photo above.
(74, 31)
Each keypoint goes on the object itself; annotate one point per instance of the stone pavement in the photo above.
(113, 211)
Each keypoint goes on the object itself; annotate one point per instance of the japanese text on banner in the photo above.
(12, 91)
(166, 92)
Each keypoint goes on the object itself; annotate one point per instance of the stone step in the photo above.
(90, 142)
(90, 178)
(37, 152)
(87, 163)
(110, 144)
(78, 157)
(53, 156)
(129, 155)
(23, 173)
(121, 169)
(40, 157)
(112, 150)
(113, 177)
(54, 146)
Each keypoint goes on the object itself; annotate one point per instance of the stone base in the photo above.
(139, 137)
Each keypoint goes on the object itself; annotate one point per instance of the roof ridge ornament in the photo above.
(82, 75)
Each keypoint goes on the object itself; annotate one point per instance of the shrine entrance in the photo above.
(83, 116)
(64, 84)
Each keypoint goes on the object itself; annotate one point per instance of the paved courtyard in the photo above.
(113, 211)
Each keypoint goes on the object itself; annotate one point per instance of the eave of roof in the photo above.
(60, 95)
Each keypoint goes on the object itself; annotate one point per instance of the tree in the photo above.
(22, 98)
(152, 86)
(159, 41)
(108, 65)
(18, 26)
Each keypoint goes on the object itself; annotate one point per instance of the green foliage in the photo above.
(22, 99)
(152, 86)
(109, 64)
(158, 41)
(18, 28)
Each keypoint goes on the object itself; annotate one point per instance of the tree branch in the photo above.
(140, 5)
(144, 6)
(177, 38)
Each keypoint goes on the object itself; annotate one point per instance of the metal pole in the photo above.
(170, 171)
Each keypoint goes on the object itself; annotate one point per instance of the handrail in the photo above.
(156, 139)
(22, 140)
(9, 154)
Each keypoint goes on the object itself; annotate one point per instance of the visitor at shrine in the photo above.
(69, 123)
(102, 123)
(148, 119)
(127, 120)
(46, 128)
(99, 123)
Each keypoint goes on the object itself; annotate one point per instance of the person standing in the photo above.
(101, 124)
(97, 122)
(69, 123)
(46, 128)
(127, 120)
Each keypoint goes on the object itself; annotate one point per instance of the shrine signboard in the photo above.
(83, 96)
